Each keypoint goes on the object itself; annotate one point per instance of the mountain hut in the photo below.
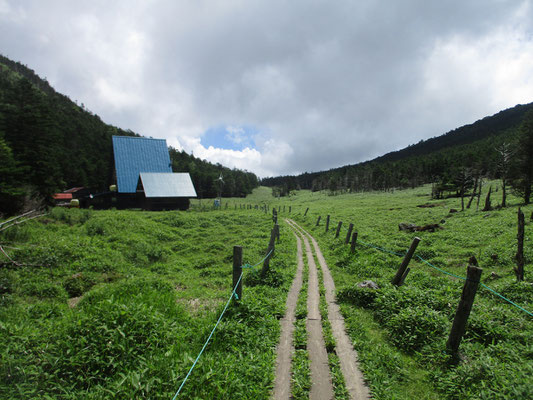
(145, 178)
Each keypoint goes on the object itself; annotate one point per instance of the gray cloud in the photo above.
(325, 84)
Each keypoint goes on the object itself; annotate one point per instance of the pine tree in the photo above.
(522, 170)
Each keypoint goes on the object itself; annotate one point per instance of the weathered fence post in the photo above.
(401, 271)
(354, 241)
(270, 252)
(519, 270)
(290, 209)
(349, 234)
(338, 229)
(237, 271)
(327, 223)
(318, 220)
(305, 213)
(276, 229)
(402, 280)
(473, 275)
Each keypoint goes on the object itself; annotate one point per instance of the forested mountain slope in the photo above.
(471, 149)
(49, 143)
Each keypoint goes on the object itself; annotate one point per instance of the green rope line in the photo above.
(509, 301)
(441, 270)
(233, 294)
(449, 273)
(208, 339)
(381, 248)
(260, 262)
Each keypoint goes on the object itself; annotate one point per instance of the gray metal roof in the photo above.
(159, 184)
(134, 155)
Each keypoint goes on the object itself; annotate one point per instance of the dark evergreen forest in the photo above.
(495, 147)
(49, 143)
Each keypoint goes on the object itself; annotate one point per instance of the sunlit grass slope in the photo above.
(400, 333)
(117, 304)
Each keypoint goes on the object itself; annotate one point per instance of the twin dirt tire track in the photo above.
(321, 385)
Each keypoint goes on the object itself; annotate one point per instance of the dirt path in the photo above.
(285, 350)
(321, 385)
(348, 357)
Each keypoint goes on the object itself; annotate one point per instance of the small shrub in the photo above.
(77, 284)
(7, 281)
(518, 292)
(272, 278)
(16, 234)
(44, 290)
(484, 329)
(414, 327)
(95, 227)
(362, 297)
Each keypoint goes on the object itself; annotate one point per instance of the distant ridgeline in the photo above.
(48, 143)
(465, 153)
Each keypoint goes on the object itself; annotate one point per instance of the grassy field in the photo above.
(400, 333)
(119, 303)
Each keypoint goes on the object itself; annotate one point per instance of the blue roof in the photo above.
(134, 155)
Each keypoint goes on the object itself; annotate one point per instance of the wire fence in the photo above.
(233, 295)
(446, 273)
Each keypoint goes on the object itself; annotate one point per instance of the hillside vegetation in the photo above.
(463, 155)
(117, 304)
(49, 143)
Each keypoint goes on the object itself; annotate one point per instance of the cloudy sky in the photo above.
(280, 87)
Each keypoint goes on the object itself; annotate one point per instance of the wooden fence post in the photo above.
(354, 241)
(305, 213)
(276, 229)
(338, 229)
(290, 209)
(401, 271)
(237, 271)
(473, 275)
(327, 223)
(349, 234)
(519, 270)
(402, 280)
(270, 252)
(318, 220)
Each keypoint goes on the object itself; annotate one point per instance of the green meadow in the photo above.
(118, 304)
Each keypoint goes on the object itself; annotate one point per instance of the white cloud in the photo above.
(235, 134)
(325, 84)
(481, 74)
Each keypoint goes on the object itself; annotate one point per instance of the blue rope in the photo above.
(208, 339)
(514, 304)
(233, 294)
(441, 270)
(381, 249)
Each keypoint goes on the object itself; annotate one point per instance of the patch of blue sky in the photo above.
(229, 137)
